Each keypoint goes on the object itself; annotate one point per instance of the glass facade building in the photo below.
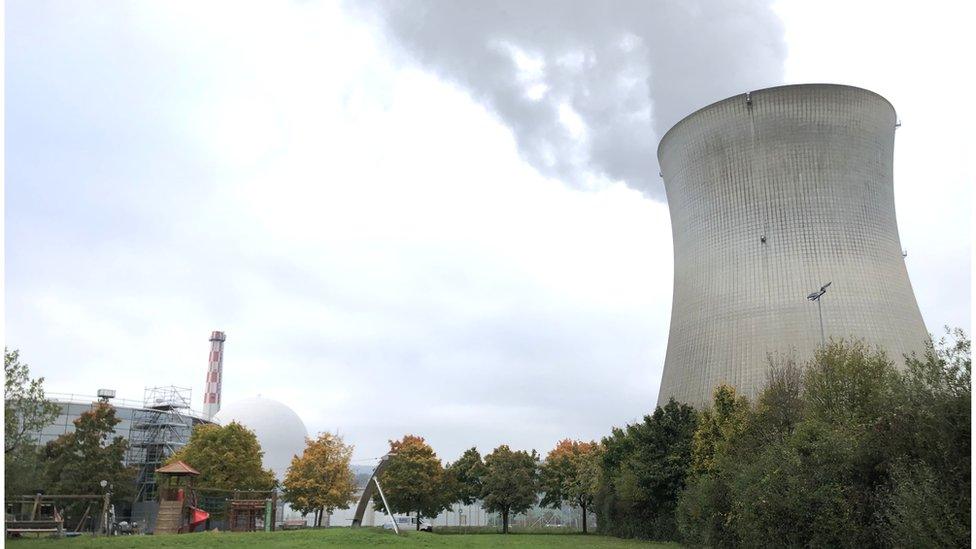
(154, 428)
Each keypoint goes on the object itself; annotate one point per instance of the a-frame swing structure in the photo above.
(371, 485)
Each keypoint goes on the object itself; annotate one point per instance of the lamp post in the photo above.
(815, 296)
(105, 505)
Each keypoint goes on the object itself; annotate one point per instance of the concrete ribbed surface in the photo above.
(809, 168)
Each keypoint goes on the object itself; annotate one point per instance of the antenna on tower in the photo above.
(215, 373)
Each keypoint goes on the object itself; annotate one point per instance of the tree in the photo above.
(780, 405)
(25, 410)
(76, 462)
(466, 476)
(848, 384)
(718, 427)
(228, 458)
(927, 499)
(644, 468)
(321, 480)
(24, 471)
(414, 480)
(510, 482)
(571, 473)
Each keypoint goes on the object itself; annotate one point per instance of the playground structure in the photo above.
(46, 514)
(244, 515)
(178, 511)
(182, 509)
(241, 510)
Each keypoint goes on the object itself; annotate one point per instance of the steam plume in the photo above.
(587, 86)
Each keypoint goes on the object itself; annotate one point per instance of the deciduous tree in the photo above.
(228, 458)
(847, 452)
(76, 463)
(25, 410)
(645, 467)
(414, 480)
(571, 474)
(718, 427)
(510, 482)
(24, 471)
(928, 498)
(321, 480)
(467, 475)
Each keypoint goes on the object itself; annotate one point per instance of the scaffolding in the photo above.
(161, 427)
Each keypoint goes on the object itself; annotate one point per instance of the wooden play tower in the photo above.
(177, 500)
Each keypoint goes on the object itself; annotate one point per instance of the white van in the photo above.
(409, 523)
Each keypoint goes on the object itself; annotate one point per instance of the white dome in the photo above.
(278, 428)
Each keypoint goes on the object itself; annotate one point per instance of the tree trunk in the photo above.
(583, 505)
(418, 521)
(505, 521)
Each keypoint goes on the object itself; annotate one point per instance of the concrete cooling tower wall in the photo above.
(773, 194)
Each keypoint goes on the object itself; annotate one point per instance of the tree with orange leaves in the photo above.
(571, 474)
(321, 480)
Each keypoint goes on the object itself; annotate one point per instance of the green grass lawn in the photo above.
(336, 537)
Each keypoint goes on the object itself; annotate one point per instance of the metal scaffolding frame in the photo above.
(160, 428)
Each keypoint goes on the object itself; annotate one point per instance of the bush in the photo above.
(704, 510)
(797, 492)
(915, 511)
(846, 452)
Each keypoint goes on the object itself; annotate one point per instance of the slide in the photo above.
(197, 516)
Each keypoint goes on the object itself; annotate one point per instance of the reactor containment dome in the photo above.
(278, 428)
(773, 194)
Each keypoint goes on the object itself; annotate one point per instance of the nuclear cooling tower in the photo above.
(773, 194)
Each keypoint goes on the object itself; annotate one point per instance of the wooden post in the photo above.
(37, 503)
(274, 509)
(60, 521)
(83, 517)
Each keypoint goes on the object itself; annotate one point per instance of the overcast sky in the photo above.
(410, 217)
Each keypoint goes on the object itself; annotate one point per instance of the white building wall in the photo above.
(463, 515)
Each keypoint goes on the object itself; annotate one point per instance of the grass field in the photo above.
(337, 537)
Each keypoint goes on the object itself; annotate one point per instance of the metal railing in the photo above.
(74, 398)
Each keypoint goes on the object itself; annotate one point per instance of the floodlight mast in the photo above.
(815, 296)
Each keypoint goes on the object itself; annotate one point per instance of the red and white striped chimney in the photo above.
(215, 372)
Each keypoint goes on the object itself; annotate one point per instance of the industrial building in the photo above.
(774, 194)
(155, 427)
(163, 421)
